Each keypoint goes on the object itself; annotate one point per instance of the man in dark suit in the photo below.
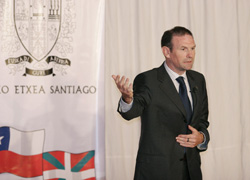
(173, 105)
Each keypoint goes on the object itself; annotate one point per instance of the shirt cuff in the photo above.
(125, 107)
(203, 145)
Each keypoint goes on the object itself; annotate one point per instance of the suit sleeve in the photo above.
(203, 123)
(141, 97)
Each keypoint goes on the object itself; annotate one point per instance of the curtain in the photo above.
(221, 32)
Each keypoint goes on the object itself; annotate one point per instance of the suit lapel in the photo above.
(167, 86)
(194, 92)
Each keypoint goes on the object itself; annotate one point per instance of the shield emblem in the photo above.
(38, 25)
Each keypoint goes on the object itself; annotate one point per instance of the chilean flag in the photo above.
(21, 152)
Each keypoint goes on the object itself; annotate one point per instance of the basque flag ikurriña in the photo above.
(63, 165)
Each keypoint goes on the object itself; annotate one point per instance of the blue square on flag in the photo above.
(4, 138)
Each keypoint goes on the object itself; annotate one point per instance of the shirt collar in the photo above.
(173, 75)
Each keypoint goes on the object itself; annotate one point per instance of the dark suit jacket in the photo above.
(163, 118)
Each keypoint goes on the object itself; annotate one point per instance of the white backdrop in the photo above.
(221, 31)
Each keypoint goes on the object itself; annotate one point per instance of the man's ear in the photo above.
(166, 51)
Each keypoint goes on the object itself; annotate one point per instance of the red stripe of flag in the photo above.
(58, 155)
(93, 178)
(76, 158)
(20, 165)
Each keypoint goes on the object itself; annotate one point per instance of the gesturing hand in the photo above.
(190, 140)
(124, 87)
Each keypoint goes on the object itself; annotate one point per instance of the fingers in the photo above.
(186, 141)
(114, 77)
(130, 86)
(192, 129)
(123, 84)
(127, 86)
(124, 87)
(190, 140)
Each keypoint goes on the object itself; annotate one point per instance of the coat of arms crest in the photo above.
(39, 28)
(38, 24)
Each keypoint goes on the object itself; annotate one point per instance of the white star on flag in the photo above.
(1, 139)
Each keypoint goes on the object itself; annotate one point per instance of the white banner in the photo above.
(51, 79)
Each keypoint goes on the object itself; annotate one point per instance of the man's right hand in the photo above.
(124, 87)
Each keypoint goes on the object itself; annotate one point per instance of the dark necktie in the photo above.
(184, 98)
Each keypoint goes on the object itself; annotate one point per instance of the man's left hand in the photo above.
(190, 140)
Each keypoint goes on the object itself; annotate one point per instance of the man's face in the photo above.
(181, 58)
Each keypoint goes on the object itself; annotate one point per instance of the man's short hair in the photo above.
(166, 39)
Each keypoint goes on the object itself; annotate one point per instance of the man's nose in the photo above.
(190, 54)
